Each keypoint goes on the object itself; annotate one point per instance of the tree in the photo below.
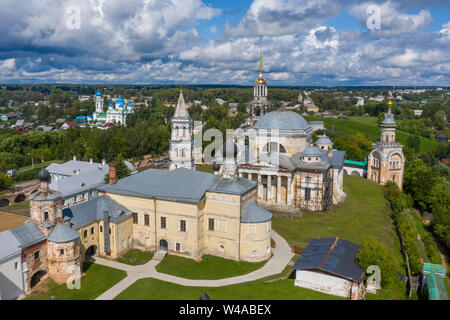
(373, 252)
(5, 181)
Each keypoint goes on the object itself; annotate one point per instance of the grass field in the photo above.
(369, 127)
(97, 280)
(9, 221)
(135, 257)
(210, 268)
(20, 205)
(364, 215)
(152, 289)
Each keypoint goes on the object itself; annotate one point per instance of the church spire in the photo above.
(260, 60)
(181, 110)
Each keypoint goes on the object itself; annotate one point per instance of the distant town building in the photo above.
(418, 112)
(441, 138)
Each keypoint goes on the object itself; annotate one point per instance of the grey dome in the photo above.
(282, 120)
(324, 140)
(44, 175)
(311, 152)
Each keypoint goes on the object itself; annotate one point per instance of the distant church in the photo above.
(386, 162)
(116, 113)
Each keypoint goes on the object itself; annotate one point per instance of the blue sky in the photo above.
(304, 42)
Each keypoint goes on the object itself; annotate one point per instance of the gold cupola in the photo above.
(260, 79)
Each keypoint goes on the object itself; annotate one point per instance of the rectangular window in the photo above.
(146, 220)
(307, 193)
(16, 265)
(211, 224)
(163, 223)
(36, 255)
(135, 218)
(183, 225)
(178, 246)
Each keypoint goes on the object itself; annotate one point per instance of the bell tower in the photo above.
(181, 142)
(386, 162)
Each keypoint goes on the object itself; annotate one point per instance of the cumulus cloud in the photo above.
(154, 41)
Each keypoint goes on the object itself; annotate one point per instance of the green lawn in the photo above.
(364, 215)
(135, 257)
(20, 205)
(153, 289)
(210, 268)
(97, 280)
(369, 127)
(204, 168)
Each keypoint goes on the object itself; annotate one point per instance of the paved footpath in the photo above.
(282, 255)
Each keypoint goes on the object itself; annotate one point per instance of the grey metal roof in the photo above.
(9, 245)
(44, 196)
(47, 224)
(28, 234)
(272, 158)
(331, 255)
(130, 166)
(337, 160)
(63, 233)
(68, 168)
(79, 182)
(89, 211)
(180, 184)
(388, 118)
(232, 185)
(282, 120)
(311, 152)
(254, 213)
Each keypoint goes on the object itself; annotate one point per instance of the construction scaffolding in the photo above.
(316, 194)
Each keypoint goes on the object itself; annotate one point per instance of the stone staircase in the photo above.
(159, 255)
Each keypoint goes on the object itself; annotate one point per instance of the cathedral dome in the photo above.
(98, 94)
(282, 120)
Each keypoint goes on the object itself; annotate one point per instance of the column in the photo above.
(269, 188)
(288, 190)
(249, 176)
(260, 187)
(240, 174)
(278, 189)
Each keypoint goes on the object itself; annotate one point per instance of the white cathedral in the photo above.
(114, 114)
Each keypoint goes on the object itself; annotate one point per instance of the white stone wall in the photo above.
(11, 279)
(323, 282)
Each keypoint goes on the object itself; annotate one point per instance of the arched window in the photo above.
(282, 149)
(85, 233)
(394, 177)
(45, 216)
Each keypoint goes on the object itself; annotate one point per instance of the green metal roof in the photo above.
(429, 268)
(435, 276)
(359, 163)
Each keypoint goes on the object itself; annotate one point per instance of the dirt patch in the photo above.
(9, 221)
(16, 211)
